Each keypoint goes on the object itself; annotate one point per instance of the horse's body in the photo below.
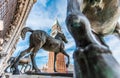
(47, 42)
(40, 39)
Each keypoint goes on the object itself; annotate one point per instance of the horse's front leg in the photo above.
(55, 54)
(68, 58)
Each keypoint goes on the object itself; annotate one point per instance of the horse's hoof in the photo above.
(55, 70)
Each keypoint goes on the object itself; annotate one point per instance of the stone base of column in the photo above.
(95, 62)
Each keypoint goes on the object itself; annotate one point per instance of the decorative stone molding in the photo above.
(2, 55)
(12, 36)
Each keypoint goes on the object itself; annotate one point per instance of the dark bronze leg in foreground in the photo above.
(91, 58)
(95, 62)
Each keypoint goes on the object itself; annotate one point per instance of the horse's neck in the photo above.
(73, 7)
(58, 38)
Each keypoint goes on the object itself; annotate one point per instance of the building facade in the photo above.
(13, 14)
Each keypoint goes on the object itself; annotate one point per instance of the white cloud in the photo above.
(114, 44)
(43, 2)
(37, 21)
(70, 43)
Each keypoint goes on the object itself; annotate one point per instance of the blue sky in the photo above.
(42, 16)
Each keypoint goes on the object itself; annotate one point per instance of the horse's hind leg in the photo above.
(22, 54)
(34, 66)
(16, 62)
(67, 57)
(7, 68)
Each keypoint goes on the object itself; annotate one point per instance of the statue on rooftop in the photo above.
(40, 39)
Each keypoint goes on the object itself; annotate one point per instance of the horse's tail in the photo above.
(24, 30)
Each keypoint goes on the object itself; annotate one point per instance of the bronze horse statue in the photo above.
(24, 62)
(40, 39)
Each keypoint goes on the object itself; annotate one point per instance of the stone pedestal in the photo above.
(39, 75)
(95, 62)
(36, 76)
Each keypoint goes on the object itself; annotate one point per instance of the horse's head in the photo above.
(61, 36)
